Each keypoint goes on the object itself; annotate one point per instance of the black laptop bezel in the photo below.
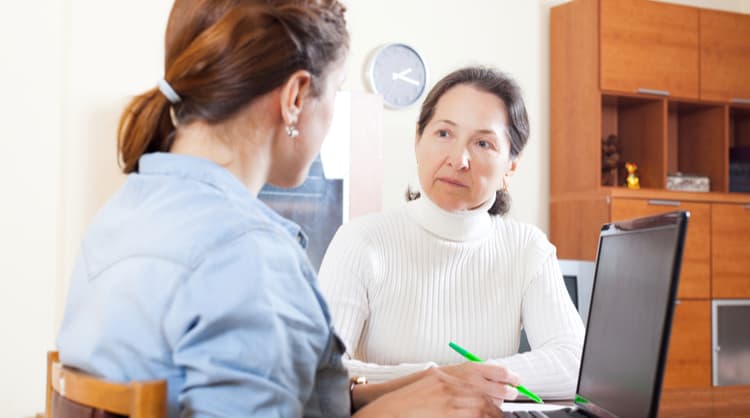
(680, 219)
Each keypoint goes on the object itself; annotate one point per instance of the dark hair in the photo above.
(220, 55)
(493, 82)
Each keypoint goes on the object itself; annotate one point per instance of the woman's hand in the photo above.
(438, 394)
(491, 379)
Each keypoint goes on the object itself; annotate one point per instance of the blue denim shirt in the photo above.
(186, 276)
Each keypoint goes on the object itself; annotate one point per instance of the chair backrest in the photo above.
(141, 399)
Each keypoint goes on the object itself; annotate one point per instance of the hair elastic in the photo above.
(166, 89)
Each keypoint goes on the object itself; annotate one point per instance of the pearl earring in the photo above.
(292, 131)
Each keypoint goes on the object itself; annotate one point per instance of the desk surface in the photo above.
(729, 401)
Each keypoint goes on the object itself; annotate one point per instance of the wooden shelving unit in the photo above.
(672, 83)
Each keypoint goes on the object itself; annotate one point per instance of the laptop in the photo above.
(635, 282)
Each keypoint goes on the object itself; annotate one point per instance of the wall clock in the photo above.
(398, 73)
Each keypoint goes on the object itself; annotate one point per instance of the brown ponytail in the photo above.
(144, 127)
(220, 55)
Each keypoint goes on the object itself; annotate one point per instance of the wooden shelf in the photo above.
(739, 149)
(697, 142)
(672, 83)
(665, 136)
(639, 124)
(739, 126)
(660, 194)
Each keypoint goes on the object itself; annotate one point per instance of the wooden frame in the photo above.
(141, 399)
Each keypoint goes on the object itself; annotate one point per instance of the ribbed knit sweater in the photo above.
(403, 283)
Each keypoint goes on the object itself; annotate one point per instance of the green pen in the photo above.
(471, 357)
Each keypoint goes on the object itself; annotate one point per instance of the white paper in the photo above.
(529, 406)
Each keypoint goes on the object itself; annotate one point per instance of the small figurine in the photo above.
(611, 164)
(632, 180)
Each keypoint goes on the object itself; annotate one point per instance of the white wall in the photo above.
(31, 120)
(115, 51)
(742, 6)
(66, 70)
(68, 67)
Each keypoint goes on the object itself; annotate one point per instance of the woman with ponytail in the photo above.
(449, 265)
(185, 275)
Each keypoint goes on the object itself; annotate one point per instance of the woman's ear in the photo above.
(512, 167)
(294, 94)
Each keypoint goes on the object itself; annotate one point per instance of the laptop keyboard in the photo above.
(560, 413)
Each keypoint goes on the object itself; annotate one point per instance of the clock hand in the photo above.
(398, 76)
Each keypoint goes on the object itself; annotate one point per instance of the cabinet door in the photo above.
(649, 45)
(730, 254)
(689, 356)
(695, 276)
(725, 55)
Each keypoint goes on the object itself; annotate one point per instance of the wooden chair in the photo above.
(142, 399)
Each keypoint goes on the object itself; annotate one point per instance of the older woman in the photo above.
(448, 266)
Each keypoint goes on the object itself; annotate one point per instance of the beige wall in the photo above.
(115, 50)
(742, 6)
(68, 67)
(31, 120)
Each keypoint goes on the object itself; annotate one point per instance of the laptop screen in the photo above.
(630, 305)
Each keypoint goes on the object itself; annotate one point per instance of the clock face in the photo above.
(399, 74)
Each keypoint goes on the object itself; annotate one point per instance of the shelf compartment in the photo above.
(739, 149)
(696, 140)
(640, 126)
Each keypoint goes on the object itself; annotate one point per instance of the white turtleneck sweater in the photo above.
(403, 283)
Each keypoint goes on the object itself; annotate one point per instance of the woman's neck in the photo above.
(464, 225)
(246, 156)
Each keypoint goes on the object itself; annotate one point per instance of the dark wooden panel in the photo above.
(574, 97)
(575, 226)
(647, 44)
(689, 358)
(730, 253)
(725, 55)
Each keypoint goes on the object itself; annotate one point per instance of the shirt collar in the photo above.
(216, 176)
(464, 225)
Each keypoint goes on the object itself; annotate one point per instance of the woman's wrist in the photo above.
(365, 397)
(363, 394)
(356, 401)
